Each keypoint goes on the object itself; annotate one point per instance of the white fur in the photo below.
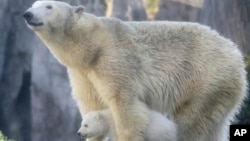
(100, 123)
(184, 69)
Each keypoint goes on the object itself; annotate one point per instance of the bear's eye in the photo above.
(85, 125)
(49, 7)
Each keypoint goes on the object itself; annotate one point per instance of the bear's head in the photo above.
(52, 16)
(93, 125)
(69, 32)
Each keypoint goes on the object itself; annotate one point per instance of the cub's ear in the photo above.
(79, 9)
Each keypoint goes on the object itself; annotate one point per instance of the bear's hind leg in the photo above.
(206, 118)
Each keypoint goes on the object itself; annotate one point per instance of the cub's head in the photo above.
(93, 125)
(48, 15)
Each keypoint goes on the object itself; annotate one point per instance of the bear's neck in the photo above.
(57, 44)
(76, 49)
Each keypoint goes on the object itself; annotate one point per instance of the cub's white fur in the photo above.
(100, 123)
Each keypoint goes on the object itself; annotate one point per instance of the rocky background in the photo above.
(35, 95)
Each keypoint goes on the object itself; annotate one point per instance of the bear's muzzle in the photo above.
(29, 17)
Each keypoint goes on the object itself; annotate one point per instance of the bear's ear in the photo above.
(79, 9)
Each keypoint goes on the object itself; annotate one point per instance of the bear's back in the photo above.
(174, 37)
(177, 59)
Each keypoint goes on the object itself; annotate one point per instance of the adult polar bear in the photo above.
(183, 69)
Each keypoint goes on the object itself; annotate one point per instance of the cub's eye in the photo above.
(49, 7)
(85, 125)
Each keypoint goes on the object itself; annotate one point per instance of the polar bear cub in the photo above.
(100, 123)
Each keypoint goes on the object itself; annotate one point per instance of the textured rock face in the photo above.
(15, 71)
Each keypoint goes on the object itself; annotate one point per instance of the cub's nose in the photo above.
(28, 15)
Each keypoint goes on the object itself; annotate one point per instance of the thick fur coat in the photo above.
(183, 69)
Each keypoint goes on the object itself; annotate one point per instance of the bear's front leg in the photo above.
(85, 95)
(83, 92)
(130, 116)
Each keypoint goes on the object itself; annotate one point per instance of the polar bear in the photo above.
(100, 123)
(184, 69)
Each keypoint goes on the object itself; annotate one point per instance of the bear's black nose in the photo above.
(28, 15)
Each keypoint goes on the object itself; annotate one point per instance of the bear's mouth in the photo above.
(84, 136)
(35, 24)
